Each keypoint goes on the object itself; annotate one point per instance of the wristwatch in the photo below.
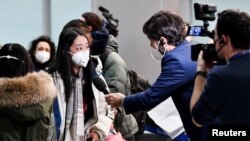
(201, 73)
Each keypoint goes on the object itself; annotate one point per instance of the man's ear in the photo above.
(163, 41)
(90, 28)
(222, 40)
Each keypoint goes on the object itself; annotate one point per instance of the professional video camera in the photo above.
(205, 13)
(111, 23)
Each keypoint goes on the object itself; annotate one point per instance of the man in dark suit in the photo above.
(166, 32)
(224, 94)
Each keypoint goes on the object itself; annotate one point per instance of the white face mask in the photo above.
(42, 56)
(156, 55)
(81, 58)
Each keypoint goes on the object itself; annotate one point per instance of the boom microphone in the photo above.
(102, 9)
(111, 23)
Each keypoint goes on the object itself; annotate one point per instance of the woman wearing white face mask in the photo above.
(42, 52)
(80, 110)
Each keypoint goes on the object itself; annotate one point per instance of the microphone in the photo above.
(99, 81)
(97, 77)
(103, 87)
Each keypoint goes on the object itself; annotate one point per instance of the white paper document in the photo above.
(166, 116)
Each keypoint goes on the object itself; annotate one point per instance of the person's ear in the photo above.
(90, 28)
(163, 41)
(222, 41)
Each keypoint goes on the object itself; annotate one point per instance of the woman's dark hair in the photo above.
(14, 61)
(77, 23)
(62, 63)
(33, 49)
(167, 24)
(236, 25)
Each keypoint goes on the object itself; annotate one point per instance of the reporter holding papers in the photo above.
(166, 32)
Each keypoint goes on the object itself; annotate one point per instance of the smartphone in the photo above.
(195, 31)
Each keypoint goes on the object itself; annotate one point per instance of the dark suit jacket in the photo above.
(176, 80)
(226, 95)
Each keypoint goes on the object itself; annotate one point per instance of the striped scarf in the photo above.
(74, 128)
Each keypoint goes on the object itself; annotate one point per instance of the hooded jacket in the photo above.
(115, 72)
(25, 107)
(116, 75)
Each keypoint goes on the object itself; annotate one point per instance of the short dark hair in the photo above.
(167, 24)
(236, 25)
(14, 67)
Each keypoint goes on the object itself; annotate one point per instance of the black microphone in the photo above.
(103, 87)
(99, 82)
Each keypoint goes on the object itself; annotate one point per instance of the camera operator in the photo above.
(223, 95)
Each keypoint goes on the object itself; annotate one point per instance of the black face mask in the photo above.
(100, 40)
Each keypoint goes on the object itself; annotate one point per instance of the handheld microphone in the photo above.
(103, 87)
(98, 78)
(99, 81)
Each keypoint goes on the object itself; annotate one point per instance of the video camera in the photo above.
(111, 23)
(205, 13)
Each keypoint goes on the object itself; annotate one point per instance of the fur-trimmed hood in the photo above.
(27, 90)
